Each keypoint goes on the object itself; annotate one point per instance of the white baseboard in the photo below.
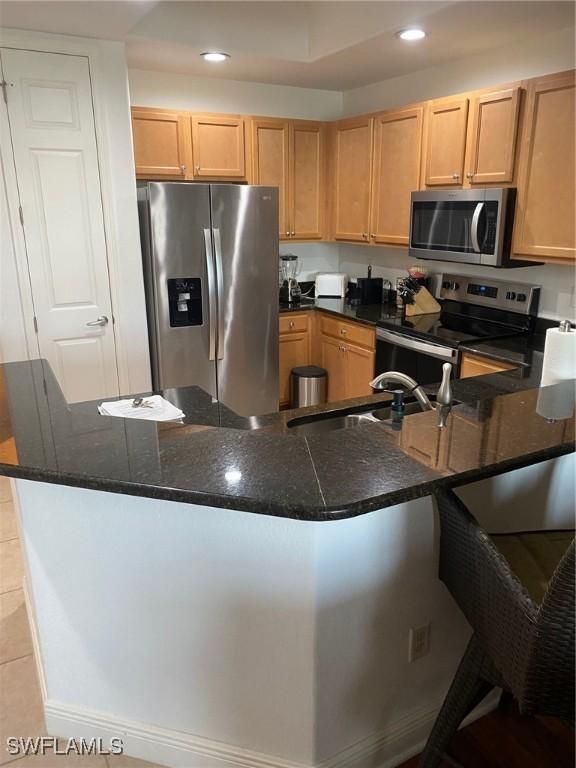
(386, 749)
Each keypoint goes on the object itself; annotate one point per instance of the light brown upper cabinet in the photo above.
(352, 159)
(218, 150)
(307, 167)
(290, 155)
(396, 173)
(446, 123)
(492, 137)
(271, 166)
(544, 228)
(161, 143)
(472, 140)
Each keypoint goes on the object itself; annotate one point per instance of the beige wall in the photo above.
(203, 94)
(527, 58)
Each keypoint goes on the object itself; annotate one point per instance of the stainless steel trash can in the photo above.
(307, 386)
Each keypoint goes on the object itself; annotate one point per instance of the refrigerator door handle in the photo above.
(211, 295)
(220, 288)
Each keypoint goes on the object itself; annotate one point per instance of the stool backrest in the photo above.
(501, 613)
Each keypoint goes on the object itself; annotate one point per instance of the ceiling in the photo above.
(329, 45)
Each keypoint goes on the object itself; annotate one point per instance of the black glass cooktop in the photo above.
(459, 323)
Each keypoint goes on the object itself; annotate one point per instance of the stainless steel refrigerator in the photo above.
(210, 254)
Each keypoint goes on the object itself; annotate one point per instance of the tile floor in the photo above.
(20, 699)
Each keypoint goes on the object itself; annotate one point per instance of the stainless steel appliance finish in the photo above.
(307, 390)
(500, 294)
(473, 308)
(210, 254)
(472, 226)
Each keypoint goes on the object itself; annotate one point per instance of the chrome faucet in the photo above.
(443, 398)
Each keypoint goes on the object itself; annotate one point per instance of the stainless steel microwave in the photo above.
(470, 226)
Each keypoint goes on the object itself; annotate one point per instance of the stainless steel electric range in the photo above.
(473, 309)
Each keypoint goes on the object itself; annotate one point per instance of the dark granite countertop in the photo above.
(368, 314)
(516, 349)
(260, 464)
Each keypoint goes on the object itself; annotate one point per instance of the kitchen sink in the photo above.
(347, 418)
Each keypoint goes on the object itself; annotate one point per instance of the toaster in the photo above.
(331, 285)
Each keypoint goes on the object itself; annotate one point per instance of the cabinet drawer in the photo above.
(353, 332)
(475, 365)
(293, 323)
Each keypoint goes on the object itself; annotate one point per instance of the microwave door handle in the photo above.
(210, 279)
(475, 221)
(407, 342)
(220, 289)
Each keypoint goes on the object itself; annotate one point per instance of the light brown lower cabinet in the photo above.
(476, 365)
(332, 358)
(295, 341)
(345, 349)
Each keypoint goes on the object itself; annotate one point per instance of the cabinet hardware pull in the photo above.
(291, 324)
(292, 234)
(470, 175)
(183, 168)
(197, 169)
(455, 175)
(343, 331)
(287, 234)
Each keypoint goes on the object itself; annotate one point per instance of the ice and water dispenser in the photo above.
(185, 301)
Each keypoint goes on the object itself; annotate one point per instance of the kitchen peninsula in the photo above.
(203, 635)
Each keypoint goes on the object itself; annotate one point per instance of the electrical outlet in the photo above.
(418, 642)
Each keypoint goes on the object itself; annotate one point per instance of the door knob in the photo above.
(102, 320)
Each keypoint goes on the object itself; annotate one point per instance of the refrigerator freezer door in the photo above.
(245, 234)
(180, 283)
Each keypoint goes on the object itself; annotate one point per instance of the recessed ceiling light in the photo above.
(412, 33)
(215, 56)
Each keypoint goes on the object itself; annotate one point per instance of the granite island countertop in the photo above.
(259, 464)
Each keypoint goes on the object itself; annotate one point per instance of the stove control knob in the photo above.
(521, 297)
(510, 295)
(454, 286)
(446, 284)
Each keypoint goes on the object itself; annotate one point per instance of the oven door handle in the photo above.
(474, 229)
(434, 350)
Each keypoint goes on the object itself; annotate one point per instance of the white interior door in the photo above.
(49, 102)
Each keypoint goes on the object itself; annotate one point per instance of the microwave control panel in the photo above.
(513, 296)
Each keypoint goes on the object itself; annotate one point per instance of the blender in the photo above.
(290, 292)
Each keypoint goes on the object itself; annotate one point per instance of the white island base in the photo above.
(210, 638)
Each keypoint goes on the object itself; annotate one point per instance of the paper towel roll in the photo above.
(559, 365)
(559, 356)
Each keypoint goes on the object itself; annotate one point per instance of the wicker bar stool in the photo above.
(523, 647)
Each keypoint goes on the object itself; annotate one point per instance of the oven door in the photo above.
(466, 226)
(422, 360)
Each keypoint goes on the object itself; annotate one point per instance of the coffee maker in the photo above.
(290, 292)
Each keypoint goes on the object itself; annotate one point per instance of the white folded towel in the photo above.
(158, 409)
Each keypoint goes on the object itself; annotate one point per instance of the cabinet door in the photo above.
(306, 180)
(270, 150)
(545, 204)
(161, 143)
(218, 147)
(446, 142)
(396, 173)
(492, 142)
(359, 371)
(352, 166)
(333, 359)
(475, 365)
(293, 352)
